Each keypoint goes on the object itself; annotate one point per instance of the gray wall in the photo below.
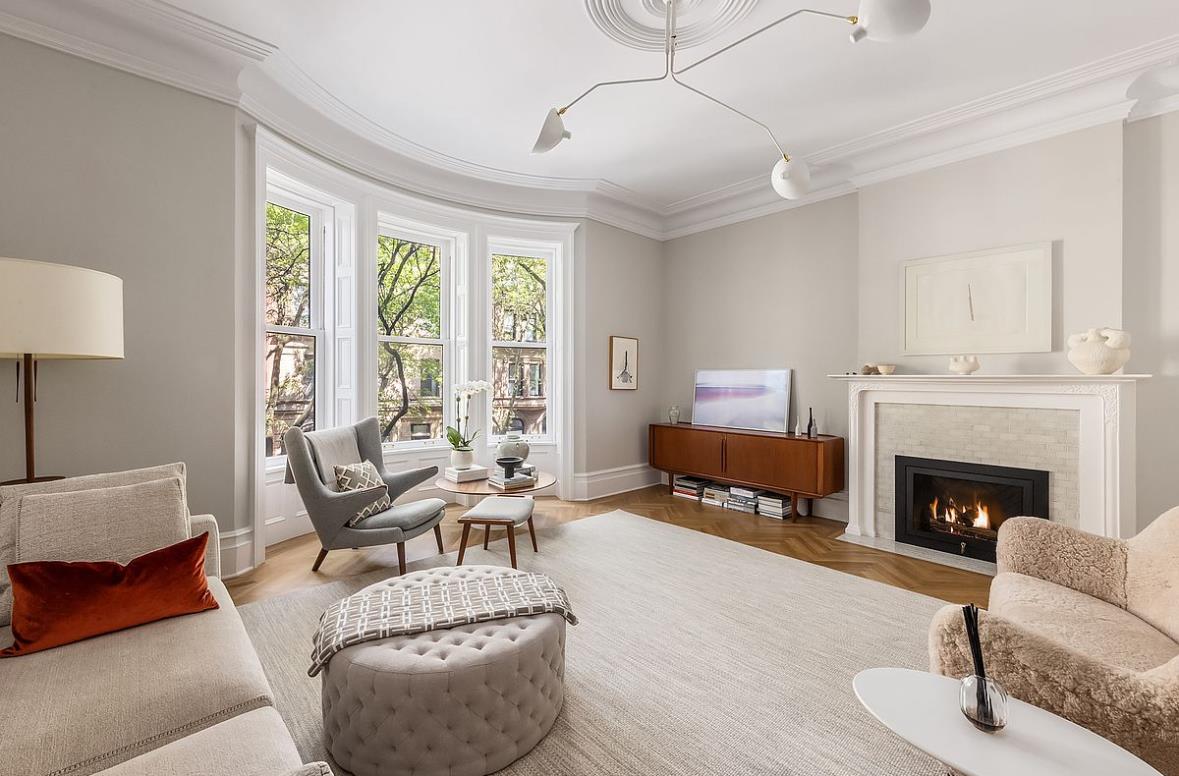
(1067, 189)
(102, 169)
(619, 293)
(1151, 292)
(777, 291)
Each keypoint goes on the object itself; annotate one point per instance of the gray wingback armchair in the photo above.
(311, 458)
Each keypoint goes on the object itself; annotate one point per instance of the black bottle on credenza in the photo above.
(812, 431)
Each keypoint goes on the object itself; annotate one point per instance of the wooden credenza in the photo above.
(785, 463)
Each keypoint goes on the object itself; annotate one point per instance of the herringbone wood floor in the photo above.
(288, 565)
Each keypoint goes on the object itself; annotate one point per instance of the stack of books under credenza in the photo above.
(523, 477)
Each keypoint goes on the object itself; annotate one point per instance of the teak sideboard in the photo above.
(784, 463)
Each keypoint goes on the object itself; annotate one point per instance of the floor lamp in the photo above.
(53, 311)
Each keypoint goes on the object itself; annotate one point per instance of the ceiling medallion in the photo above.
(639, 24)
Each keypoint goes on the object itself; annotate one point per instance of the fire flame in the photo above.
(976, 515)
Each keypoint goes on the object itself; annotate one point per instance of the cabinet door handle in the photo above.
(724, 454)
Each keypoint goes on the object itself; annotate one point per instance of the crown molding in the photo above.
(158, 41)
(180, 78)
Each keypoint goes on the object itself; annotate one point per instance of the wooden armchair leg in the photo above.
(532, 533)
(463, 543)
(486, 534)
(319, 559)
(438, 538)
(401, 558)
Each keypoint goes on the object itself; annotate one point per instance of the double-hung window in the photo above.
(414, 346)
(292, 319)
(521, 305)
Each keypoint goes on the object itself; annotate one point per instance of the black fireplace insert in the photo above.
(958, 507)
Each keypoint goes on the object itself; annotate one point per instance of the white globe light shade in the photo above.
(887, 20)
(552, 133)
(791, 179)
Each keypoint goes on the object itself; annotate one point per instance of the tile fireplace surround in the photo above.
(1077, 427)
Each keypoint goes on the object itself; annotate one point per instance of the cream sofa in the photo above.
(179, 697)
(1084, 626)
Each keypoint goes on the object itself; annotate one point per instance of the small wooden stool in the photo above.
(499, 512)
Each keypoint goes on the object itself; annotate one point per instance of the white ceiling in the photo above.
(444, 98)
(472, 79)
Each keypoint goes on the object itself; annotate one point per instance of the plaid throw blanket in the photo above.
(381, 614)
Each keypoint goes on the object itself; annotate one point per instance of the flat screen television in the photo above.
(742, 398)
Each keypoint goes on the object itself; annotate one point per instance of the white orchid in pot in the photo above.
(462, 454)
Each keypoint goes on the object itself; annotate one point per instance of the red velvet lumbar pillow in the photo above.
(60, 602)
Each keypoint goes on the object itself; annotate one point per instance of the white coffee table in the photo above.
(922, 708)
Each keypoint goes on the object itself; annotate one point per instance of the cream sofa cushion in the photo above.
(10, 496)
(252, 744)
(119, 523)
(1088, 625)
(90, 705)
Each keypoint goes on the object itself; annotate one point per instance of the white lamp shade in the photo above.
(791, 179)
(552, 133)
(886, 20)
(58, 311)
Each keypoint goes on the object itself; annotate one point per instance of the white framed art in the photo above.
(624, 364)
(992, 301)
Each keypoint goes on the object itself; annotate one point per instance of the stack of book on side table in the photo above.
(773, 505)
(688, 487)
(466, 475)
(743, 499)
(715, 494)
(523, 477)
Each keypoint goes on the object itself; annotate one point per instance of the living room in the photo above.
(702, 382)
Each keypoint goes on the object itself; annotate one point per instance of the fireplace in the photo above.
(958, 507)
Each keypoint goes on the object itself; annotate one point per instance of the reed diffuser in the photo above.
(983, 700)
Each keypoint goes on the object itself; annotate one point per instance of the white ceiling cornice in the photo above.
(170, 45)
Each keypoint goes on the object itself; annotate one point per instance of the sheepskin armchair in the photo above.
(1083, 626)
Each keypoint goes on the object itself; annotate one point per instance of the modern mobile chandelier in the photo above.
(880, 20)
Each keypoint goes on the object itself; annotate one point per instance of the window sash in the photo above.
(316, 284)
(506, 248)
(445, 341)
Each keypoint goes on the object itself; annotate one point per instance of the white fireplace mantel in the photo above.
(1105, 405)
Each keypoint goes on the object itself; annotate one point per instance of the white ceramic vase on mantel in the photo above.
(462, 458)
(1099, 351)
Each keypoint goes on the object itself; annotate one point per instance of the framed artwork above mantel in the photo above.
(992, 301)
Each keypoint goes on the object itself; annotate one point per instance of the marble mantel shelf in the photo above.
(985, 378)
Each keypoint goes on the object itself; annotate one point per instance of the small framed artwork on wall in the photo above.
(624, 364)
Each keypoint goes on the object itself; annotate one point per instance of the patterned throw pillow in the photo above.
(358, 476)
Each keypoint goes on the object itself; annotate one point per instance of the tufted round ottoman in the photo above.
(461, 702)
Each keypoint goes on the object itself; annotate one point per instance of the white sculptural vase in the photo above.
(964, 365)
(1099, 351)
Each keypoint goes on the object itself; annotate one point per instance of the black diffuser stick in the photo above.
(970, 616)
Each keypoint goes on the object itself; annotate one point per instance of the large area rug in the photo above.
(694, 655)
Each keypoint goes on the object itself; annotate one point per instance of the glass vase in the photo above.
(984, 702)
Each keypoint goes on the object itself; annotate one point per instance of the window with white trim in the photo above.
(292, 318)
(518, 326)
(414, 344)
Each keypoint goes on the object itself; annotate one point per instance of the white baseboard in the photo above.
(610, 482)
(237, 552)
(833, 507)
